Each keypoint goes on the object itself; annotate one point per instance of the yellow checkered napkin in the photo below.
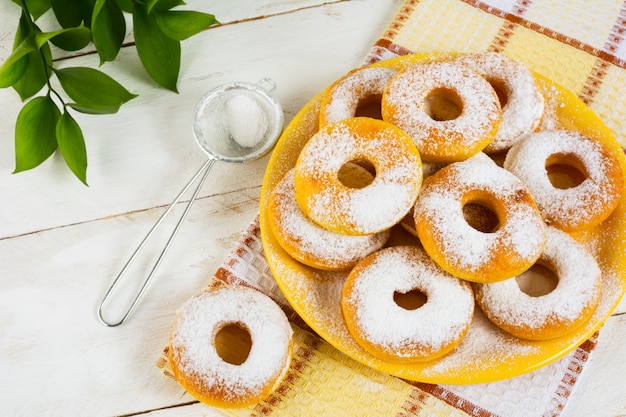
(324, 382)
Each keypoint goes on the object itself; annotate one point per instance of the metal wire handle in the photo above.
(202, 174)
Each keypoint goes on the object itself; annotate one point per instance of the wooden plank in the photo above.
(51, 342)
(143, 155)
(229, 12)
(61, 244)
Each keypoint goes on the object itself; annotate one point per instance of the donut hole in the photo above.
(565, 171)
(480, 213)
(233, 343)
(410, 300)
(538, 280)
(443, 104)
(370, 107)
(357, 173)
(501, 91)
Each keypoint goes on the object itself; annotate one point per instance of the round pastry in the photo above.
(450, 111)
(556, 313)
(569, 208)
(310, 243)
(463, 250)
(522, 103)
(358, 87)
(198, 366)
(358, 211)
(408, 333)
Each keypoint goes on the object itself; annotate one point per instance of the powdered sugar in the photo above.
(404, 105)
(203, 316)
(572, 208)
(245, 120)
(408, 334)
(366, 210)
(524, 105)
(345, 95)
(310, 243)
(573, 299)
(440, 206)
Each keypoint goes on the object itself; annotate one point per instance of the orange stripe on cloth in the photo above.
(508, 27)
(454, 400)
(612, 44)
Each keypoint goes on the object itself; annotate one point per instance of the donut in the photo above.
(450, 111)
(521, 101)
(198, 366)
(463, 250)
(556, 313)
(412, 333)
(569, 208)
(309, 243)
(360, 86)
(358, 211)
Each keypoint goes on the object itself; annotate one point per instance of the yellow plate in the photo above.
(486, 354)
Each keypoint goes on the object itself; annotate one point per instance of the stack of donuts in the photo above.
(456, 154)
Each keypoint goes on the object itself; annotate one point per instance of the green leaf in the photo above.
(92, 90)
(14, 67)
(71, 13)
(24, 28)
(182, 24)
(125, 5)
(163, 5)
(91, 108)
(108, 29)
(73, 40)
(72, 145)
(36, 7)
(159, 54)
(35, 133)
(36, 75)
(12, 73)
(70, 39)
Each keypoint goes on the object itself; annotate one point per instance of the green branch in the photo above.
(43, 126)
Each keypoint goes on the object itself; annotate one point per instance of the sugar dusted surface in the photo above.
(579, 281)
(574, 207)
(525, 105)
(403, 105)
(318, 245)
(403, 332)
(441, 202)
(375, 207)
(200, 318)
(347, 93)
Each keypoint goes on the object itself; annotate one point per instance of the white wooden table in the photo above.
(61, 243)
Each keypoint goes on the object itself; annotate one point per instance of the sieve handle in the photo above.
(201, 174)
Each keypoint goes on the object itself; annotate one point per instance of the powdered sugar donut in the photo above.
(359, 86)
(358, 211)
(556, 313)
(411, 101)
(522, 102)
(464, 251)
(195, 360)
(395, 333)
(310, 243)
(582, 206)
